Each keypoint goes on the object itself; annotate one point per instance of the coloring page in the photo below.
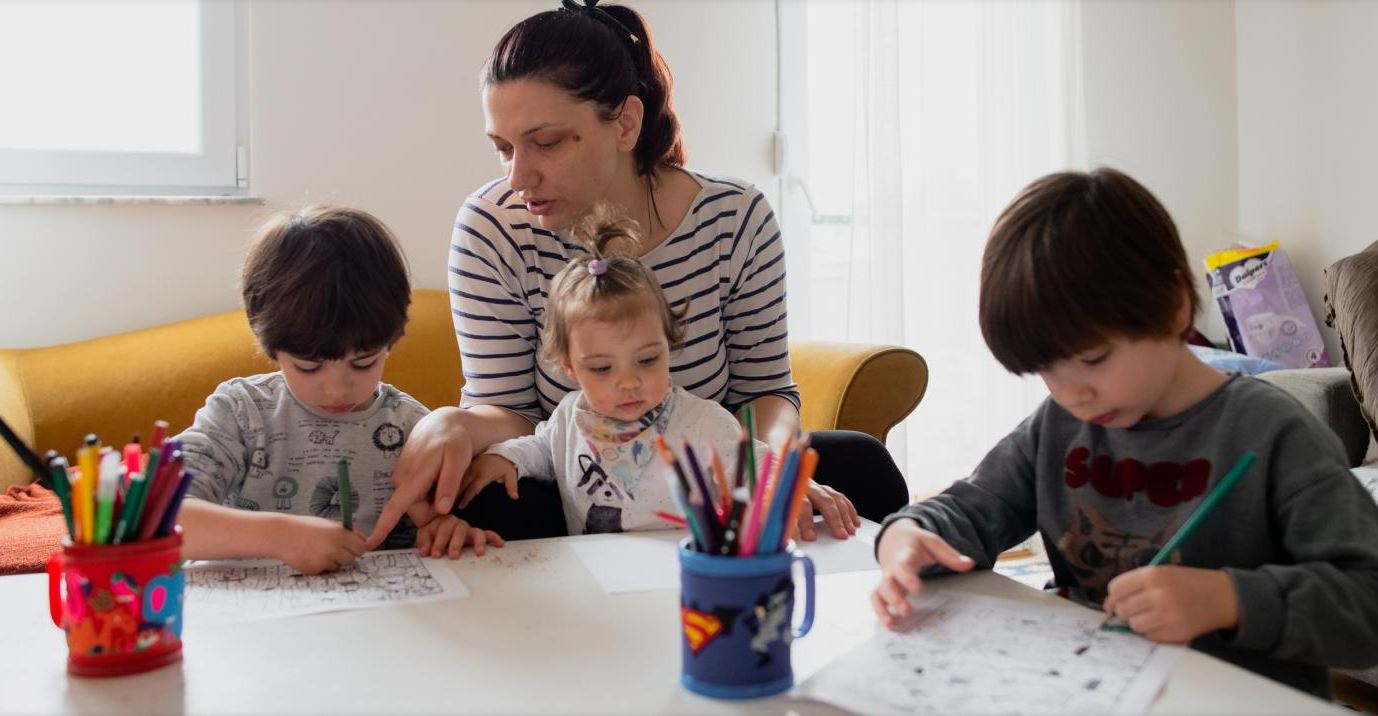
(248, 590)
(963, 653)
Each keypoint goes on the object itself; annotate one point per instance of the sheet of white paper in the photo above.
(642, 561)
(232, 591)
(964, 653)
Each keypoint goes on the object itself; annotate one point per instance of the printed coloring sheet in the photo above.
(233, 591)
(976, 654)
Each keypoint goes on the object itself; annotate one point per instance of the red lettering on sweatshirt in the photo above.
(1165, 484)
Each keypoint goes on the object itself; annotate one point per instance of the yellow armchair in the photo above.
(117, 386)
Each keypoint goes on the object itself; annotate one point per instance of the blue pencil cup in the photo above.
(735, 615)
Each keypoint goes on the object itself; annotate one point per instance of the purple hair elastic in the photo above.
(598, 267)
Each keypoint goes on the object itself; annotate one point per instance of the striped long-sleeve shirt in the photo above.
(726, 260)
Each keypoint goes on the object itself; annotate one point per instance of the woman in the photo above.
(577, 106)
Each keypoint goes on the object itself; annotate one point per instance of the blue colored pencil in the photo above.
(773, 524)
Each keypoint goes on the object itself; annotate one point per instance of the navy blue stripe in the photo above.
(480, 258)
(763, 341)
(715, 197)
(491, 356)
(489, 186)
(716, 374)
(756, 327)
(716, 180)
(695, 341)
(477, 337)
(510, 322)
(755, 311)
(757, 378)
(484, 299)
(671, 284)
(554, 383)
(519, 248)
(682, 259)
(766, 359)
(484, 239)
(503, 199)
(469, 375)
(741, 229)
(744, 279)
(760, 290)
(473, 276)
(471, 394)
(694, 364)
(695, 231)
(764, 223)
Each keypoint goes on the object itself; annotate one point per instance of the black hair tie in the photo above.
(591, 9)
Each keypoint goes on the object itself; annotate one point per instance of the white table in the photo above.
(537, 634)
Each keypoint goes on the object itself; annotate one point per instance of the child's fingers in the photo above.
(511, 479)
(945, 554)
(444, 532)
(423, 541)
(893, 599)
(457, 543)
(494, 539)
(474, 485)
(480, 540)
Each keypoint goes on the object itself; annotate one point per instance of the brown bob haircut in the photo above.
(324, 282)
(1079, 258)
(624, 289)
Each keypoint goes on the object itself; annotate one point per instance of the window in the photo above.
(909, 126)
(118, 97)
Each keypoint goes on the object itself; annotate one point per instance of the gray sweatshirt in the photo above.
(1297, 535)
(253, 446)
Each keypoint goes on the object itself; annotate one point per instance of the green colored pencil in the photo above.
(750, 419)
(1213, 498)
(342, 474)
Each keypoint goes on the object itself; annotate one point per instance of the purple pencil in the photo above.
(173, 506)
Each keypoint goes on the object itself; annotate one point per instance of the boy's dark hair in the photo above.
(600, 54)
(619, 290)
(323, 282)
(1078, 259)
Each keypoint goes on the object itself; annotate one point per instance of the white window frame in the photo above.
(216, 169)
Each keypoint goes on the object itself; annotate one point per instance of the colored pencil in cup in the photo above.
(25, 453)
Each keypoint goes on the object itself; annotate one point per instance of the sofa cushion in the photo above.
(1351, 301)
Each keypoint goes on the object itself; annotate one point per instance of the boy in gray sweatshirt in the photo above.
(1086, 283)
(326, 294)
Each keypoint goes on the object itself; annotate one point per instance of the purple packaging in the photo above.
(1265, 310)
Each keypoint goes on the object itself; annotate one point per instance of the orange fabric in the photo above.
(31, 528)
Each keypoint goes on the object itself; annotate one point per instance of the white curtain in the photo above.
(954, 106)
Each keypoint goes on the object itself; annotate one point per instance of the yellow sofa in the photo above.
(117, 386)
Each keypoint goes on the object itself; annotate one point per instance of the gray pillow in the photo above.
(1351, 299)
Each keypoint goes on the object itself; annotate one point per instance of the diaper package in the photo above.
(1264, 308)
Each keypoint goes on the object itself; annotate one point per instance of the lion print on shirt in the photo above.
(1097, 551)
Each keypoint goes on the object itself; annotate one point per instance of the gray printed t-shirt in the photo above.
(254, 446)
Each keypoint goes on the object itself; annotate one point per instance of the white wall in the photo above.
(371, 103)
(1160, 105)
(1308, 147)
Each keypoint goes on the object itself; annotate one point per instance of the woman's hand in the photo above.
(313, 544)
(437, 453)
(838, 514)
